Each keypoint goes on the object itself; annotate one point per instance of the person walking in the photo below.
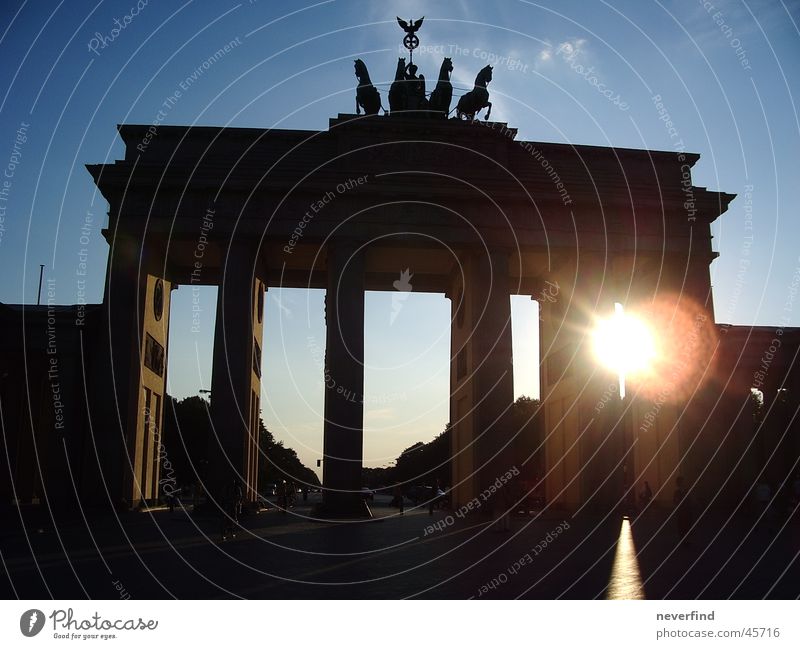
(172, 499)
(282, 496)
(398, 496)
(683, 510)
(436, 494)
(238, 500)
(646, 495)
(764, 505)
(231, 502)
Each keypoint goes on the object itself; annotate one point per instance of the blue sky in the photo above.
(726, 72)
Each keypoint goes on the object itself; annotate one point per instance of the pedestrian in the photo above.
(683, 510)
(506, 503)
(238, 499)
(763, 494)
(793, 500)
(398, 496)
(196, 491)
(172, 498)
(764, 505)
(436, 493)
(231, 501)
(501, 508)
(441, 496)
(646, 495)
(282, 496)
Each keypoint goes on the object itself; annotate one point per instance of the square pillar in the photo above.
(494, 368)
(481, 378)
(236, 374)
(344, 381)
(582, 440)
(133, 376)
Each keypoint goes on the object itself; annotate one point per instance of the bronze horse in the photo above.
(367, 96)
(398, 98)
(476, 99)
(442, 95)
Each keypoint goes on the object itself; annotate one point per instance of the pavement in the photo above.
(288, 555)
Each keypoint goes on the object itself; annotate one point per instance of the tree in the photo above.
(184, 438)
(527, 419)
(424, 464)
(186, 435)
(375, 477)
(277, 462)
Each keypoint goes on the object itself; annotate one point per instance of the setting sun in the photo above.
(623, 343)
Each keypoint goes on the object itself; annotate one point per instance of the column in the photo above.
(462, 458)
(132, 378)
(481, 374)
(494, 371)
(236, 373)
(572, 384)
(344, 381)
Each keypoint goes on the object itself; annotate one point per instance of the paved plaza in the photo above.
(278, 555)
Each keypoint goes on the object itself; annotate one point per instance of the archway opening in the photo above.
(407, 374)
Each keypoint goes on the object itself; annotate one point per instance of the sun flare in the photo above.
(624, 343)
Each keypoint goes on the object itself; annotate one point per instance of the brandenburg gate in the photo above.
(476, 214)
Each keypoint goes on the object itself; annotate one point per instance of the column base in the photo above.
(342, 509)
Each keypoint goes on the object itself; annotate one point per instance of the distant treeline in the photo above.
(425, 464)
(187, 431)
(186, 435)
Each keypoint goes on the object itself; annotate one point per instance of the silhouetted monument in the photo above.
(442, 94)
(367, 96)
(471, 212)
(410, 40)
(476, 99)
(397, 91)
(501, 227)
